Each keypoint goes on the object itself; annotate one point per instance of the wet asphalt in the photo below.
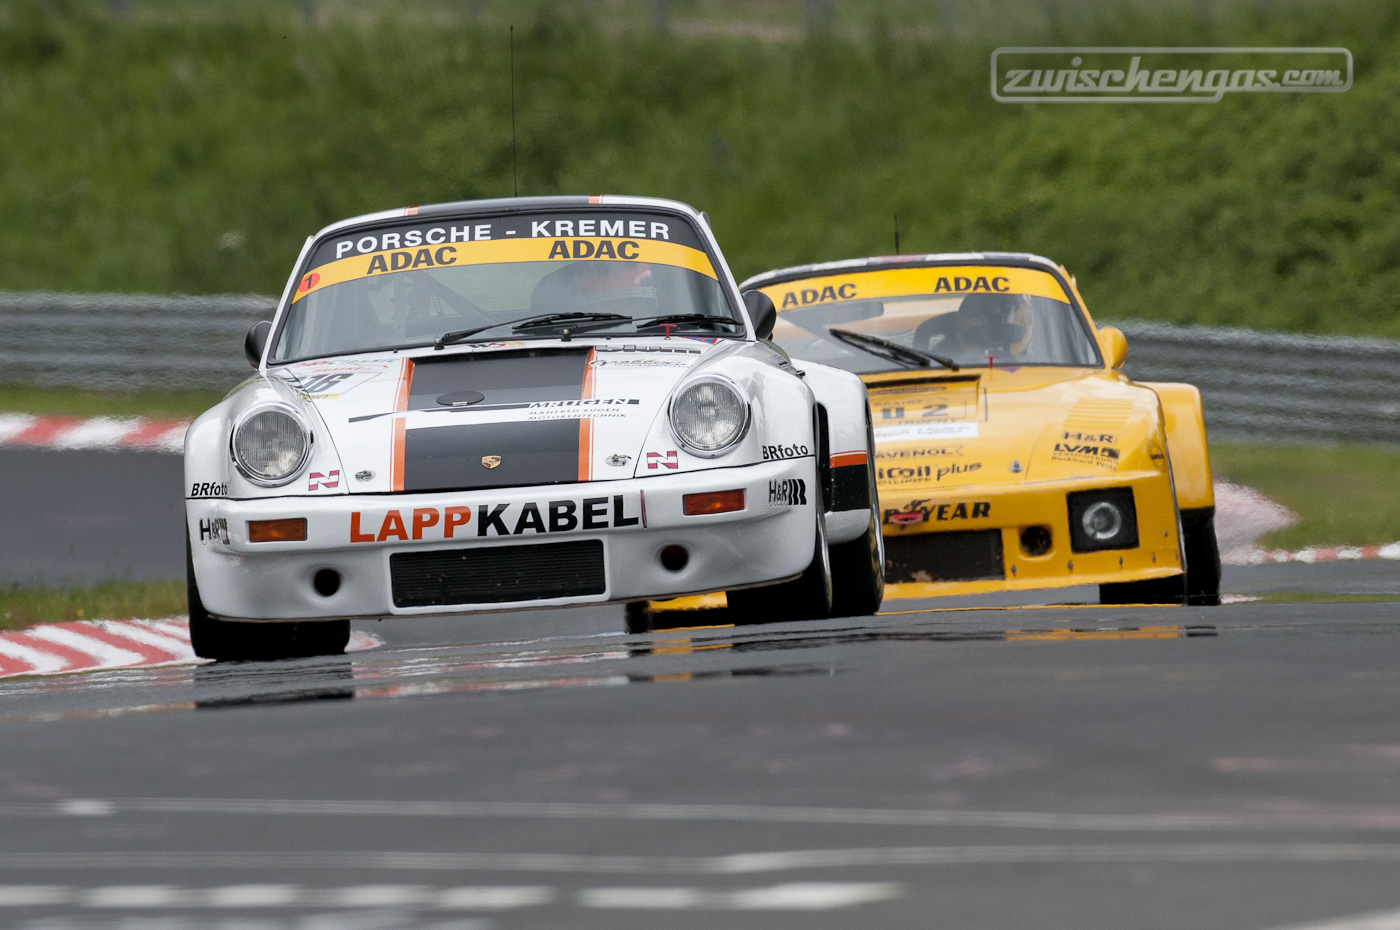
(1018, 767)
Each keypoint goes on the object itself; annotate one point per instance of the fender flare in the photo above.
(1184, 421)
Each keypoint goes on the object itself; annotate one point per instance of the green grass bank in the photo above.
(180, 151)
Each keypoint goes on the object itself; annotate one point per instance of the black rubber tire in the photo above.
(638, 616)
(1202, 557)
(1152, 591)
(858, 573)
(807, 597)
(223, 641)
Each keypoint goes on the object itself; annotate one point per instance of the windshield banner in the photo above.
(632, 237)
(946, 280)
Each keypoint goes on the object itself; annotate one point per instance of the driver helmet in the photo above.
(597, 286)
(994, 324)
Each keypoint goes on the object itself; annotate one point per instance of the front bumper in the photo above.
(1012, 509)
(771, 539)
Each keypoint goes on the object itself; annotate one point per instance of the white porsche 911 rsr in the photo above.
(533, 402)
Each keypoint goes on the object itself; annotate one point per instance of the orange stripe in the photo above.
(405, 380)
(585, 426)
(410, 211)
(595, 198)
(849, 458)
(396, 466)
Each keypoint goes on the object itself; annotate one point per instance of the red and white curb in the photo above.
(1316, 554)
(96, 645)
(129, 433)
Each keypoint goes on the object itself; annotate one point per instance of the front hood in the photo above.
(498, 415)
(1010, 427)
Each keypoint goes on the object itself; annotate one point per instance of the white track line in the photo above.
(1386, 920)
(892, 817)
(737, 864)
(795, 896)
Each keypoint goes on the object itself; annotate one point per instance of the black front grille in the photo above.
(497, 575)
(967, 556)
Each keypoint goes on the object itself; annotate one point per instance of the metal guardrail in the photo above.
(126, 341)
(1276, 386)
(1266, 385)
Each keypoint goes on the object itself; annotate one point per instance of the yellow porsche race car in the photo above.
(1011, 451)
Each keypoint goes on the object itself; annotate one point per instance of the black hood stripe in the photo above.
(455, 457)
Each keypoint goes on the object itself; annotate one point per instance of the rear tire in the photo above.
(805, 598)
(223, 641)
(858, 573)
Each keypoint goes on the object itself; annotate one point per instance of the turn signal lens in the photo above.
(714, 502)
(293, 530)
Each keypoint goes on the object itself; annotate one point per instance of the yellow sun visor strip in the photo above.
(498, 251)
(947, 280)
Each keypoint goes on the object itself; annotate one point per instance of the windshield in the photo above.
(1015, 316)
(412, 283)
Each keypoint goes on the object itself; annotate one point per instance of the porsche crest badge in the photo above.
(490, 461)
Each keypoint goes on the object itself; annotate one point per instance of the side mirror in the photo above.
(762, 313)
(256, 341)
(1115, 346)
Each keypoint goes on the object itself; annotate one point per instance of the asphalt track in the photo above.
(1054, 767)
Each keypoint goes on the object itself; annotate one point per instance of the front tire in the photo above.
(1152, 591)
(805, 598)
(1202, 557)
(223, 641)
(858, 573)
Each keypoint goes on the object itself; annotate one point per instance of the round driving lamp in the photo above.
(270, 445)
(1102, 521)
(709, 417)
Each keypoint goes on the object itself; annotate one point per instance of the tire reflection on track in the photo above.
(693, 654)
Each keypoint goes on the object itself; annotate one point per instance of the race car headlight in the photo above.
(1103, 519)
(709, 417)
(270, 445)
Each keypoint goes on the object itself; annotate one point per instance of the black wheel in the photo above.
(223, 641)
(638, 616)
(1202, 557)
(807, 597)
(858, 573)
(1152, 591)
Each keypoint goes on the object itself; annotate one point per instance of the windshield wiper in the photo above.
(891, 350)
(679, 318)
(539, 321)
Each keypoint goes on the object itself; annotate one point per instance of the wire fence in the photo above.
(1255, 384)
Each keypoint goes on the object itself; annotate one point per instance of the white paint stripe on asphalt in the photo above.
(738, 864)
(12, 424)
(95, 433)
(794, 896)
(253, 896)
(487, 898)
(1386, 920)
(134, 896)
(107, 655)
(1364, 820)
(33, 895)
(40, 662)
